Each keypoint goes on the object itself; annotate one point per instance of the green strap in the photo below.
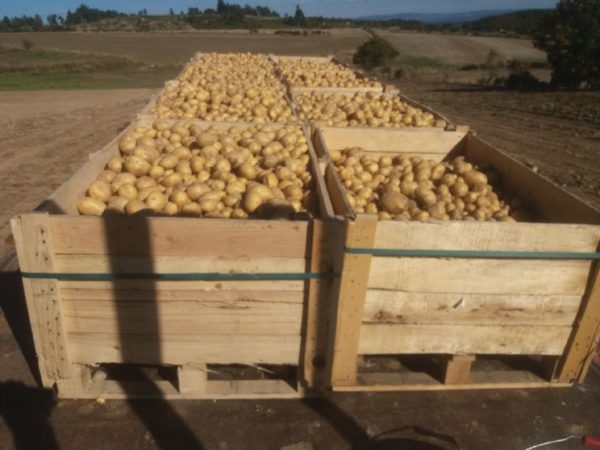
(211, 276)
(492, 254)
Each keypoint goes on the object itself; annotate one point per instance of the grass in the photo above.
(108, 79)
(418, 62)
(22, 70)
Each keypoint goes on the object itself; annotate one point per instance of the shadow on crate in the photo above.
(406, 437)
(159, 417)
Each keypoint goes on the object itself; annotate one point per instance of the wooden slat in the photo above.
(226, 290)
(176, 264)
(479, 276)
(392, 140)
(173, 317)
(583, 342)
(34, 245)
(552, 202)
(420, 381)
(451, 235)
(326, 246)
(339, 200)
(457, 369)
(348, 312)
(162, 389)
(180, 236)
(93, 348)
(50, 320)
(192, 379)
(470, 309)
(215, 298)
(451, 339)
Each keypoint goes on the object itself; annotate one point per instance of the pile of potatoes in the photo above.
(225, 88)
(183, 168)
(413, 188)
(309, 73)
(362, 110)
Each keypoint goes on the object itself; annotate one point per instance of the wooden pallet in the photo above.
(463, 306)
(140, 317)
(189, 382)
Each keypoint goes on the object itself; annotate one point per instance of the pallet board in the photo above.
(414, 305)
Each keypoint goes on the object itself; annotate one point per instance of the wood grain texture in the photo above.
(179, 236)
(452, 339)
(399, 307)
(176, 264)
(501, 236)
(479, 276)
(348, 313)
(93, 348)
(583, 342)
(434, 141)
(176, 317)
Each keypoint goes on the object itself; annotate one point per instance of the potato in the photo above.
(91, 206)
(394, 202)
(100, 190)
(115, 164)
(127, 144)
(171, 208)
(107, 176)
(196, 190)
(252, 200)
(180, 198)
(156, 201)
(128, 190)
(137, 166)
(192, 209)
(168, 162)
(135, 207)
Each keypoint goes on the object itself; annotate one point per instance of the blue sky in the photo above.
(337, 8)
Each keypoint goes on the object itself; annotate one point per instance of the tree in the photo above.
(299, 16)
(171, 12)
(221, 6)
(570, 36)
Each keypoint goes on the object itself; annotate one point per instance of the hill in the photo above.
(441, 18)
(520, 22)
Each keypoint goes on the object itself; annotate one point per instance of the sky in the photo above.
(328, 8)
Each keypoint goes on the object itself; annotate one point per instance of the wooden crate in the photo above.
(176, 292)
(405, 289)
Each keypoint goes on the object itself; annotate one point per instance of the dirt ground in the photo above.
(177, 48)
(459, 50)
(46, 136)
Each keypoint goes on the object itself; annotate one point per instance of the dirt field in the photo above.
(177, 48)
(46, 136)
(460, 50)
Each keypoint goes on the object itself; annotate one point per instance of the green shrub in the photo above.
(376, 52)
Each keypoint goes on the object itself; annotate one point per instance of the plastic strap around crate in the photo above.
(210, 276)
(485, 254)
